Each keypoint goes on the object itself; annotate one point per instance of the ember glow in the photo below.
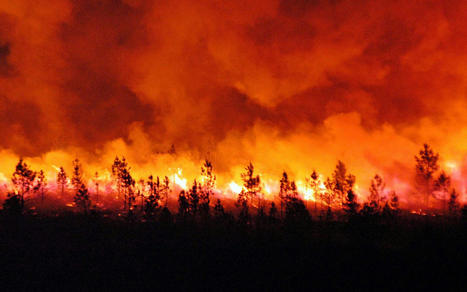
(290, 86)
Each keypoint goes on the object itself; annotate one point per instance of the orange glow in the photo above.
(287, 85)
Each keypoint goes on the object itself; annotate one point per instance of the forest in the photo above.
(144, 233)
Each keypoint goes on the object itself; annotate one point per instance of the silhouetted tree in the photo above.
(125, 183)
(251, 182)
(41, 185)
(81, 199)
(96, 183)
(442, 184)
(341, 182)
(219, 211)
(453, 205)
(165, 217)
(252, 187)
(350, 206)
(296, 214)
(391, 207)
(284, 191)
(152, 202)
(77, 176)
(328, 196)
(464, 214)
(426, 166)
(62, 180)
(372, 207)
(315, 184)
(193, 199)
(12, 205)
(272, 216)
(166, 191)
(207, 188)
(118, 167)
(183, 206)
(23, 180)
(243, 205)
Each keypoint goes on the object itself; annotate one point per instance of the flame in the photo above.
(235, 188)
(180, 180)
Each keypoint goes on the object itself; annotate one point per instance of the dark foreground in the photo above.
(84, 253)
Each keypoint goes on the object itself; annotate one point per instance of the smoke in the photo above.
(289, 85)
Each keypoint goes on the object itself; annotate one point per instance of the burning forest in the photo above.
(248, 144)
(118, 192)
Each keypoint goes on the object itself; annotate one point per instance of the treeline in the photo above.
(148, 200)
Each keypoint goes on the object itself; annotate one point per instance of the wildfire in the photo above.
(234, 187)
(180, 180)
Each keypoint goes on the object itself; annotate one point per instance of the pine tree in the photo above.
(194, 199)
(341, 182)
(183, 206)
(77, 176)
(23, 180)
(272, 213)
(41, 185)
(425, 168)
(442, 184)
(373, 205)
(251, 182)
(453, 205)
(125, 183)
(96, 183)
(350, 206)
(219, 211)
(284, 191)
(81, 199)
(62, 180)
(151, 204)
(207, 188)
(315, 187)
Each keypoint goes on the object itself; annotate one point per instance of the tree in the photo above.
(125, 183)
(96, 183)
(23, 180)
(183, 205)
(128, 184)
(453, 205)
(377, 187)
(425, 168)
(373, 205)
(77, 175)
(117, 168)
(328, 196)
(391, 207)
(341, 182)
(315, 184)
(152, 202)
(296, 213)
(272, 213)
(219, 211)
(62, 180)
(251, 182)
(194, 198)
(207, 188)
(81, 199)
(41, 185)
(350, 205)
(12, 205)
(166, 191)
(442, 184)
(284, 191)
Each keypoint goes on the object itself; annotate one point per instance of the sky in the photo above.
(288, 85)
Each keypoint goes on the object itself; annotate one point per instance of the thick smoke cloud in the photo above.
(290, 84)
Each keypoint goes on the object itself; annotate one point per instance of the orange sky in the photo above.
(289, 85)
